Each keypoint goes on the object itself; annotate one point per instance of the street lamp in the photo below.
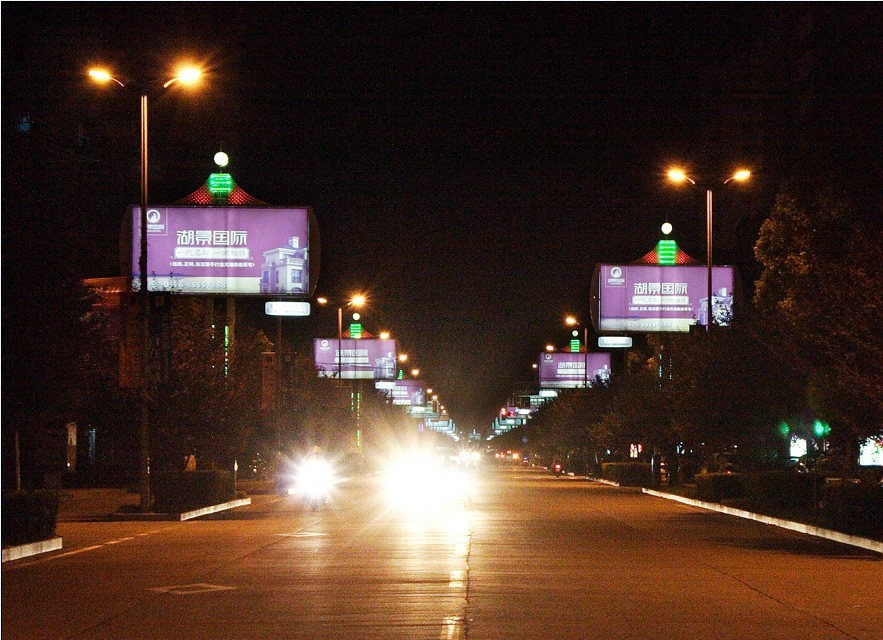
(679, 176)
(356, 301)
(188, 76)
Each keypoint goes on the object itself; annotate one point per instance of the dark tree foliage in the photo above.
(820, 295)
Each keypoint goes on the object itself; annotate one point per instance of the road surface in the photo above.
(531, 557)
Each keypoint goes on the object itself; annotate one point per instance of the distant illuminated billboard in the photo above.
(871, 452)
(226, 250)
(567, 370)
(355, 359)
(648, 298)
(407, 393)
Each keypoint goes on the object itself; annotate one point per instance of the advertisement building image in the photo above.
(285, 269)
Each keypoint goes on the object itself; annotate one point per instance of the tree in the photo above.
(821, 293)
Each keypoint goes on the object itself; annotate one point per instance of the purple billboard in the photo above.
(649, 298)
(407, 393)
(567, 370)
(225, 250)
(359, 359)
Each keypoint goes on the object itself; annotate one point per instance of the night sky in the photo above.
(468, 164)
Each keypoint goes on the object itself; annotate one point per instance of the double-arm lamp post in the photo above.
(357, 301)
(186, 76)
(678, 176)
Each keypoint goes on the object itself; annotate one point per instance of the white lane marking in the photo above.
(451, 629)
(81, 550)
(190, 589)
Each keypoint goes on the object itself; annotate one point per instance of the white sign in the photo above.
(280, 308)
(615, 341)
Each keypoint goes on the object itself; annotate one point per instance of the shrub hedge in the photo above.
(775, 491)
(176, 492)
(853, 508)
(627, 473)
(714, 487)
(28, 517)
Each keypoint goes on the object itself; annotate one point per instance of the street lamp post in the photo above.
(678, 176)
(187, 76)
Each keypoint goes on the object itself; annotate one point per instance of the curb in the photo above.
(602, 481)
(31, 549)
(819, 532)
(180, 517)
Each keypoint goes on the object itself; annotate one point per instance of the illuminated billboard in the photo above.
(407, 393)
(226, 250)
(355, 359)
(648, 298)
(567, 370)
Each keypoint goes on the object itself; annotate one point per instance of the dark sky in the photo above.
(468, 164)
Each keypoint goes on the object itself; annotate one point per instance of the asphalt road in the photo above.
(532, 556)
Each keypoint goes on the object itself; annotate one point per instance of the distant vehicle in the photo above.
(313, 479)
(557, 468)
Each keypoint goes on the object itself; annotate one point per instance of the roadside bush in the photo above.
(28, 517)
(774, 491)
(176, 492)
(853, 508)
(715, 487)
(627, 473)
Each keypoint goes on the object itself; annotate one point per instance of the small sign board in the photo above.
(614, 342)
(287, 308)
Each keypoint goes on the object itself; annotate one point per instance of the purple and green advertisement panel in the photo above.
(567, 370)
(409, 393)
(365, 359)
(650, 298)
(226, 250)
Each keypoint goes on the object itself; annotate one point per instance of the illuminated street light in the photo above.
(678, 176)
(550, 348)
(571, 321)
(415, 372)
(322, 300)
(403, 357)
(429, 391)
(384, 335)
(221, 159)
(186, 76)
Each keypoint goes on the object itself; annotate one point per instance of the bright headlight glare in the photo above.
(314, 477)
(422, 482)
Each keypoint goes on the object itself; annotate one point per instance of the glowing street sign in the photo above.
(615, 342)
(356, 331)
(280, 308)
(574, 346)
